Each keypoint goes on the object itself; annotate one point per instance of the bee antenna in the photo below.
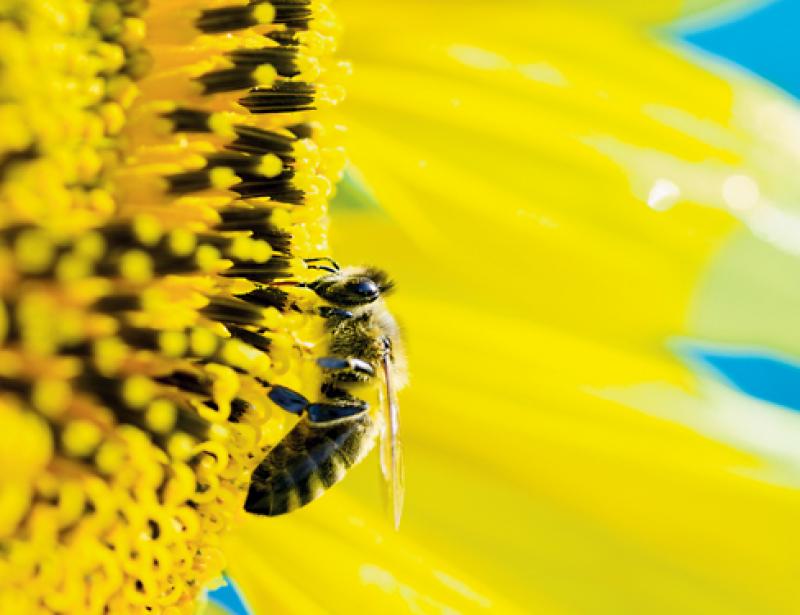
(323, 268)
(333, 264)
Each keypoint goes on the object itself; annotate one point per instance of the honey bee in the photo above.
(338, 431)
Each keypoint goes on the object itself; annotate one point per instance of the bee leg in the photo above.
(289, 400)
(336, 411)
(332, 312)
(337, 406)
(350, 364)
(340, 408)
(331, 391)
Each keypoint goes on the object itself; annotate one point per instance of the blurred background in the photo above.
(759, 40)
(591, 214)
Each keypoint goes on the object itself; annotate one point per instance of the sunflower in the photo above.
(164, 193)
(566, 203)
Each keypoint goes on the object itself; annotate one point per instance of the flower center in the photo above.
(164, 177)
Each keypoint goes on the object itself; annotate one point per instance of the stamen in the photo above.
(230, 18)
(283, 58)
(293, 13)
(283, 97)
(254, 140)
(189, 120)
(267, 297)
(154, 224)
(238, 78)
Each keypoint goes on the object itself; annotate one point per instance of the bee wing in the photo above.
(391, 448)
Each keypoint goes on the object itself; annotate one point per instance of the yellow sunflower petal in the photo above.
(662, 10)
(555, 215)
(359, 565)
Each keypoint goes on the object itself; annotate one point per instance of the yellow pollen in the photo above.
(113, 117)
(180, 446)
(261, 251)
(281, 218)
(207, 257)
(122, 89)
(71, 268)
(270, 166)
(223, 177)
(51, 396)
(147, 229)
(264, 13)
(110, 457)
(109, 353)
(69, 327)
(133, 31)
(137, 391)
(34, 251)
(101, 202)
(172, 343)
(221, 125)
(108, 17)
(203, 342)
(154, 299)
(265, 75)
(113, 56)
(15, 136)
(182, 242)
(71, 502)
(161, 415)
(136, 266)
(271, 317)
(91, 245)
(80, 438)
(242, 248)
(235, 353)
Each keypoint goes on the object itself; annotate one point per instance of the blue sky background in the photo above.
(765, 42)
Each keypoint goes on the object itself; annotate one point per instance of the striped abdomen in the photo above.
(309, 460)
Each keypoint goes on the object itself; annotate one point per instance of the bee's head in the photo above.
(352, 287)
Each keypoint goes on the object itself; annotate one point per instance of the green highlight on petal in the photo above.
(354, 195)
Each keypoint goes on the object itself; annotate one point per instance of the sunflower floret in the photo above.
(153, 228)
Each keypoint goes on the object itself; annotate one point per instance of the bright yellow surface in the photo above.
(540, 292)
(118, 480)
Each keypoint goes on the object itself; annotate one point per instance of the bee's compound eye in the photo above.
(363, 287)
